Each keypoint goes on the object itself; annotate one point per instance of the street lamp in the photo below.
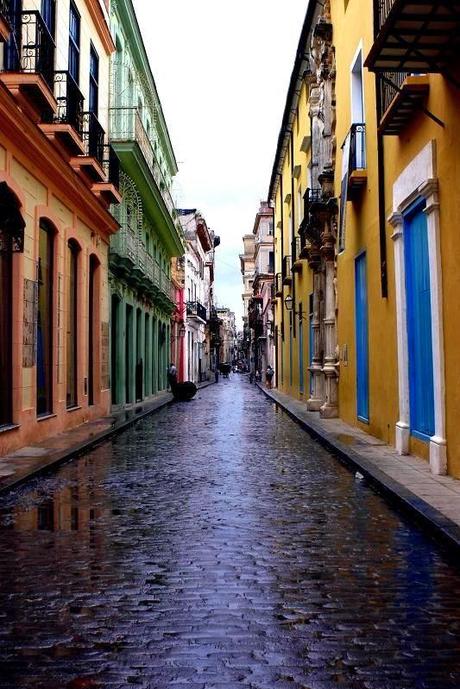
(288, 301)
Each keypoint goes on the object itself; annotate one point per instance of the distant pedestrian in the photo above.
(257, 376)
(172, 375)
(269, 376)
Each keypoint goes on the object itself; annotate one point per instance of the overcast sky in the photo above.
(222, 71)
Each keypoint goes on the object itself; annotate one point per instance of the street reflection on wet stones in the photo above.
(216, 545)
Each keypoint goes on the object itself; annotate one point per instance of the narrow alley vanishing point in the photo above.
(216, 545)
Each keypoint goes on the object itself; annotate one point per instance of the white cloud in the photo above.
(222, 72)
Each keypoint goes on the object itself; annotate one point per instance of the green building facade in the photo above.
(142, 296)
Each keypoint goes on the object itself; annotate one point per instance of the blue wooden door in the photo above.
(418, 305)
(362, 343)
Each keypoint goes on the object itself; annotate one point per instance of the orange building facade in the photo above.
(58, 177)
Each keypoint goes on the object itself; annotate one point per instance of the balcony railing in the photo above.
(309, 229)
(69, 100)
(124, 243)
(286, 269)
(383, 8)
(389, 84)
(357, 143)
(414, 36)
(31, 49)
(194, 308)
(278, 285)
(111, 166)
(93, 137)
(126, 125)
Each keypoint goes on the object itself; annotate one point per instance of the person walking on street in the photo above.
(172, 375)
(269, 376)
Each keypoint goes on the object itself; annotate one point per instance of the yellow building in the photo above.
(370, 127)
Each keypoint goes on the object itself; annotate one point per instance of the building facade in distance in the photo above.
(260, 309)
(247, 271)
(199, 294)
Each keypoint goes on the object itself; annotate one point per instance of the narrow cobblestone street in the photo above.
(215, 545)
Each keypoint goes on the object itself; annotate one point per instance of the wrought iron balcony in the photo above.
(309, 229)
(126, 126)
(196, 310)
(93, 137)
(28, 63)
(111, 166)
(296, 252)
(124, 248)
(354, 156)
(415, 35)
(66, 123)
(287, 270)
(401, 97)
(278, 285)
(69, 100)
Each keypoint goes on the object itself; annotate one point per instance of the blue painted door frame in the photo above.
(419, 328)
(362, 339)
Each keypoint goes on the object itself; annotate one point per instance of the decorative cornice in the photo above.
(102, 26)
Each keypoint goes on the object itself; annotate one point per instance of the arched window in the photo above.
(73, 250)
(45, 321)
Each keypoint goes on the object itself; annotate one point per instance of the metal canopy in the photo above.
(415, 35)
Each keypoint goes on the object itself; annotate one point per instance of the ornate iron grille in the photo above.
(93, 136)
(70, 101)
(31, 48)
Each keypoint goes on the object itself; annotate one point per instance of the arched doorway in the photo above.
(45, 320)
(115, 349)
(73, 250)
(11, 240)
(93, 325)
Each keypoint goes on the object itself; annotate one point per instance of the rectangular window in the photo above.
(93, 81)
(48, 14)
(74, 43)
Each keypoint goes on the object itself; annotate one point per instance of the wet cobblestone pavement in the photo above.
(212, 546)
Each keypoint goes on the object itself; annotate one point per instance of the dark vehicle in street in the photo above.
(184, 392)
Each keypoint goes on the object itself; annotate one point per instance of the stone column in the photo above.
(402, 425)
(316, 398)
(329, 409)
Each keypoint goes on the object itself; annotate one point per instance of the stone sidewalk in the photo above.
(23, 464)
(434, 501)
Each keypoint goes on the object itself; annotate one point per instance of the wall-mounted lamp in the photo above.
(289, 303)
(181, 332)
